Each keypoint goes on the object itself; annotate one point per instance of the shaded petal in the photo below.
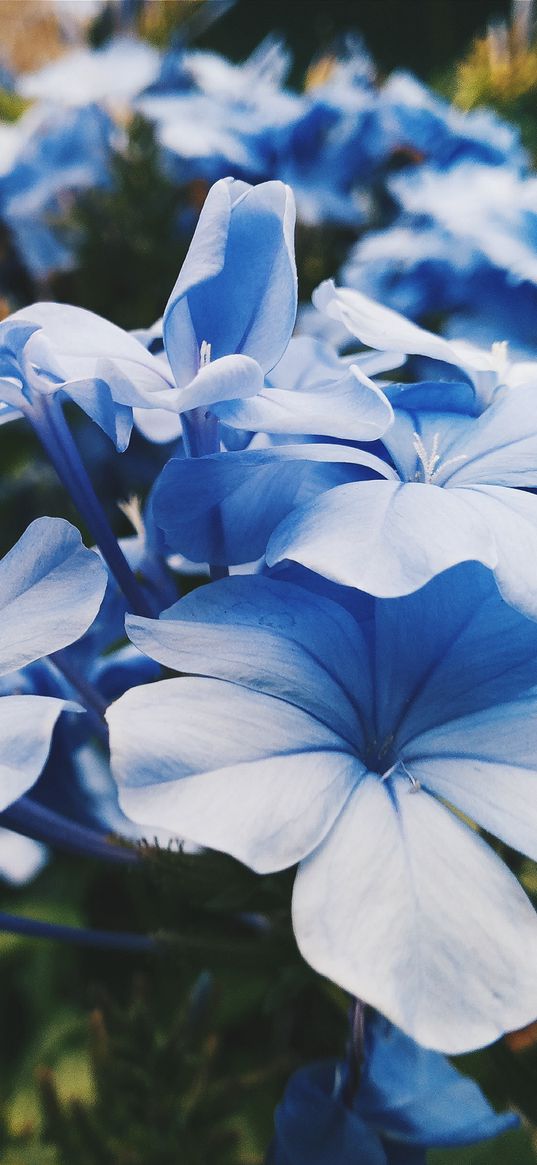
(26, 727)
(379, 326)
(313, 1127)
(223, 379)
(237, 287)
(384, 537)
(486, 765)
(94, 397)
(51, 588)
(222, 508)
(406, 908)
(229, 768)
(511, 516)
(415, 1095)
(74, 345)
(449, 650)
(313, 652)
(500, 447)
(352, 408)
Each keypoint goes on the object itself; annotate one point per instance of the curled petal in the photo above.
(51, 588)
(237, 289)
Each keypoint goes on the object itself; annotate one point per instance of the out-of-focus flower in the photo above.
(112, 75)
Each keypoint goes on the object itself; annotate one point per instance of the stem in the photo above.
(94, 703)
(51, 427)
(34, 820)
(201, 438)
(355, 1052)
(111, 940)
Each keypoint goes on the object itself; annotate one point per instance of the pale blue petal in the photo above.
(94, 397)
(383, 537)
(511, 517)
(352, 408)
(26, 727)
(406, 908)
(74, 345)
(21, 858)
(486, 764)
(222, 380)
(379, 326)
(449, 650)
(500, 447)
(51, 588)
(313, 652)
(222, 508)
(237, 287)
(229, 768)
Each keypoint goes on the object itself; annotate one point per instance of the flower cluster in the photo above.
(358, 681)
(437, 206)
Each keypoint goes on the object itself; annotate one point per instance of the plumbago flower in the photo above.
(309, 735)
(444, 493)
(51, 588)
(408, 1099)
(228, 320)
(228, 323)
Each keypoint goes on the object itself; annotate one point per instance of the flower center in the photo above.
(429, 464)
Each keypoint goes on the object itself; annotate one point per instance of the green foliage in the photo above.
(130, 248)
(123, 1060)
(11, 105)
(116, 1059)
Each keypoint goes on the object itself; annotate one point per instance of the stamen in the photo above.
(500, 356)
(205, 353)
(415, 785)
(132, 509)
(431, 463)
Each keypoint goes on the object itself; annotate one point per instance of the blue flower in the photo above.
(452, 499)
(112, 74)
(231, 313)
(51, 348)
(56, 154)
(408, 1099)
(308, 735)
(51, 588)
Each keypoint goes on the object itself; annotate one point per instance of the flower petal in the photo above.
(237, 287)
(313, 652)
(352, 408)
(384, 537)
(511, 517)
(486, 765)
(416, 1096)
(51, 588)
(224, 379)
(406, 908)
(229, 768)
(379, 326)
(26, 727)
(231, 502)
